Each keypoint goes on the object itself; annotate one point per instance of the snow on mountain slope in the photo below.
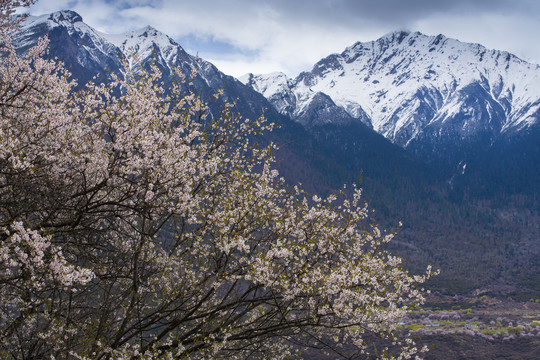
(145, 43)
(80, 42)
(151, 44)
(310, 108)
(67, 19)
(409, 84)
(88, 52)
(89, 45)
(276, 87)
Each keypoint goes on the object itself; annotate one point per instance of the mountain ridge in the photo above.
(417, 90)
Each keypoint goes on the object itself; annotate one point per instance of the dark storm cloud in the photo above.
(397, 11)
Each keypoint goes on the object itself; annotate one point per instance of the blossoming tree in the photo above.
(134, 224)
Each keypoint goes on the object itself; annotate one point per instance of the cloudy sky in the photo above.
(261, 36)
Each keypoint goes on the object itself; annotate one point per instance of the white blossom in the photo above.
(136, 224)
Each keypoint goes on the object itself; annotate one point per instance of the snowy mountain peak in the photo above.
(147, 43)
(93, 45)
(93, 53)
(149, 34)
(66, 29)
(413, 88)
(64, 16)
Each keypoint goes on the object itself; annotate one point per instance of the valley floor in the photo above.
(479, 328)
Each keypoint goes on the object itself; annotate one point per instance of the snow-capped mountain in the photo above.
(88, 53)
(80, 47)
(439, 98)
(426, 93)
(87, 46)
(149, 43)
